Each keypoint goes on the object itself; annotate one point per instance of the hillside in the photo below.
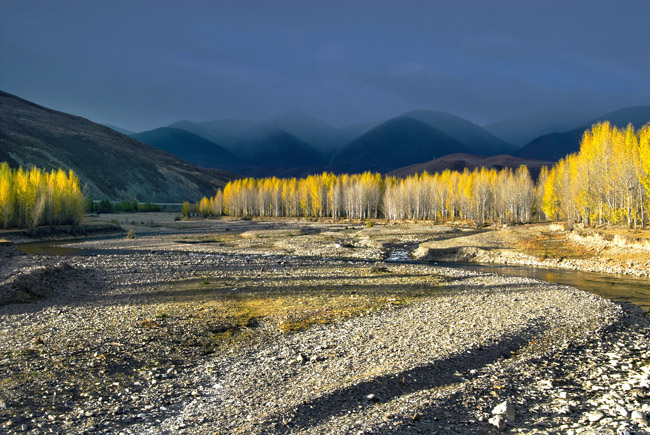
(271, 152)
(460, 161)
(313, 131)
(109, 164)
(393, 144)
(191, 147)
(469, 134)
(557, 145)
(521, 130)
(224, 132)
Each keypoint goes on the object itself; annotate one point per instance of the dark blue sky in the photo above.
(144, 64)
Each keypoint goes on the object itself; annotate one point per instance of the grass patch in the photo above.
(552, 245)
(229, 309)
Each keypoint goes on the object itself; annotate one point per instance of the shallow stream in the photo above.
(617, 287)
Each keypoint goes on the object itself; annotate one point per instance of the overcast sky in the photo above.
(145, 64)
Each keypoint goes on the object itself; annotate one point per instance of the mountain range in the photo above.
(298, 144)
(109, 164)
(168, 164)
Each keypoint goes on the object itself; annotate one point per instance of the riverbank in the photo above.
(544, 245)
(168, 333)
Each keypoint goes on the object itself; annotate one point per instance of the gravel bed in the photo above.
(96, 355)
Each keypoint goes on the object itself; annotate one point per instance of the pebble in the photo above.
(596, 416)
(506, 410)
(498, 421)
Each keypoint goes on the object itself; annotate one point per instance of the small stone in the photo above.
(372, 398)
(639, 417)
(563, 395)
(498, 421)
(505, 409)
(596, 416)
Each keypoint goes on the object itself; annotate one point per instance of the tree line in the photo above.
(32, 197)
(607, 181)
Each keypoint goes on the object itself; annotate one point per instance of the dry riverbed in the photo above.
(231, 326)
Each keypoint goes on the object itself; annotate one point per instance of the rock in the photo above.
(596, 416)
(498, 421)
(639, 417)
(563, 395)
(506, 410)
(372, 398)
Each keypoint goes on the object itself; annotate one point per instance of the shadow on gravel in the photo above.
(392, 386)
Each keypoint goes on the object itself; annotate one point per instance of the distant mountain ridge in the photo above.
(191, 147)
(109, 164)
(298, 143)
(521, 130)
(395, 143)
(555, 146)
(466, 132)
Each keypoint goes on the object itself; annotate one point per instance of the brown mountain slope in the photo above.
(109, 164)
(460, 161)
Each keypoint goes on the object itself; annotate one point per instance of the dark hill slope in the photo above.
(469, 134)
(395, 143)
(188, 146)
(313, 131)
(557, 145)
(109, 164)
(224, 132)
(459, 161)
(521, 130)
(271, 152)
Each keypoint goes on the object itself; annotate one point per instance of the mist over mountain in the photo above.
(224, 132)
(557, 145)
(309, 129)
(273, 151)
(115, 166)
(191, 147)
(395, 143)
(469, 134)
(521, 130)
(109, 164)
